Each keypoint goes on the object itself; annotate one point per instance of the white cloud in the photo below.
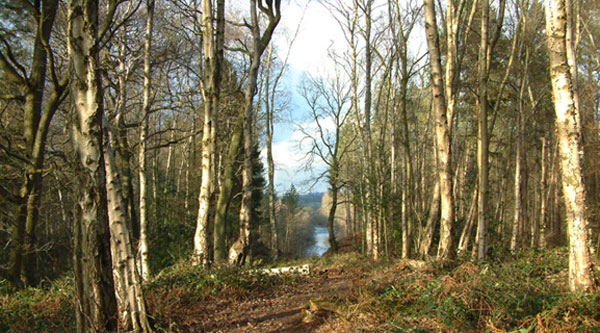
(318, 32)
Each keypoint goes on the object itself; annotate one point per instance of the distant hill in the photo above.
(312, 200)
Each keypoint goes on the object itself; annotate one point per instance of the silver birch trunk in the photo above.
(212, 45)
(443, 118)
(517, 225)
(95, 296)
(482, 137)
(270, 164)
(568, 130)
(128, 285)
(143, 243)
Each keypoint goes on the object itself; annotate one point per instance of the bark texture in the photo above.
(212, 45)
(128, 285)
(568, 130)
(143, 242)
(482, 136)
(95, 298)
(446, 249)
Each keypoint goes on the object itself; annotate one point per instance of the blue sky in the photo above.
(308, 56)
(288, 150)
(318, 34)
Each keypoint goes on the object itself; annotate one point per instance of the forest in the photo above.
(141, 177)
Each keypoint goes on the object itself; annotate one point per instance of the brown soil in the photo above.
(279, 309)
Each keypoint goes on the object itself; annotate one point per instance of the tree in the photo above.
(213, 44)
(270, 129)
(94, 286)
(128, 285)
(568, 125)
(38, 114)
(260, 40)
(328, 101)
(224, 199)
(290, 211)
(272, 82)
(443, 118)
(405, 22)
(146, 104)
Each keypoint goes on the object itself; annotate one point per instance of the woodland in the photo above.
(138, 174)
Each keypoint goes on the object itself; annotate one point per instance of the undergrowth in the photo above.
(173, 297)
(48, 308)
(525, 293)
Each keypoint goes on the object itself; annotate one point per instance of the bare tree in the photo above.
(213, 41)
(482, 134)
(328, 100)
(568, 124)
(146, 104)
(443, 118)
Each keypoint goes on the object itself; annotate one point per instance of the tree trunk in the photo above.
(426, 238)
(432, 220)
(225, 194)
(212, 44)
(568, 129)
(543, 198)
(123, 150)
(371, 213)
(406, 235)
(239, 251)
(519, 170)
(333, 188)
(446, 248)
(270, 164)
(465, 236)
(128, 286)
(35, 130)
(482, 142)
(143, 208)
(143, 243)
(125, 156)
(169, 170)
(407, 192)
(95, 296)
(240, 248)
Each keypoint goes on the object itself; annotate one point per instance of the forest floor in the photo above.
(281, 308)
(344, 292)
(349, 292)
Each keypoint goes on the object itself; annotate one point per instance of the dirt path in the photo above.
(280, 308)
